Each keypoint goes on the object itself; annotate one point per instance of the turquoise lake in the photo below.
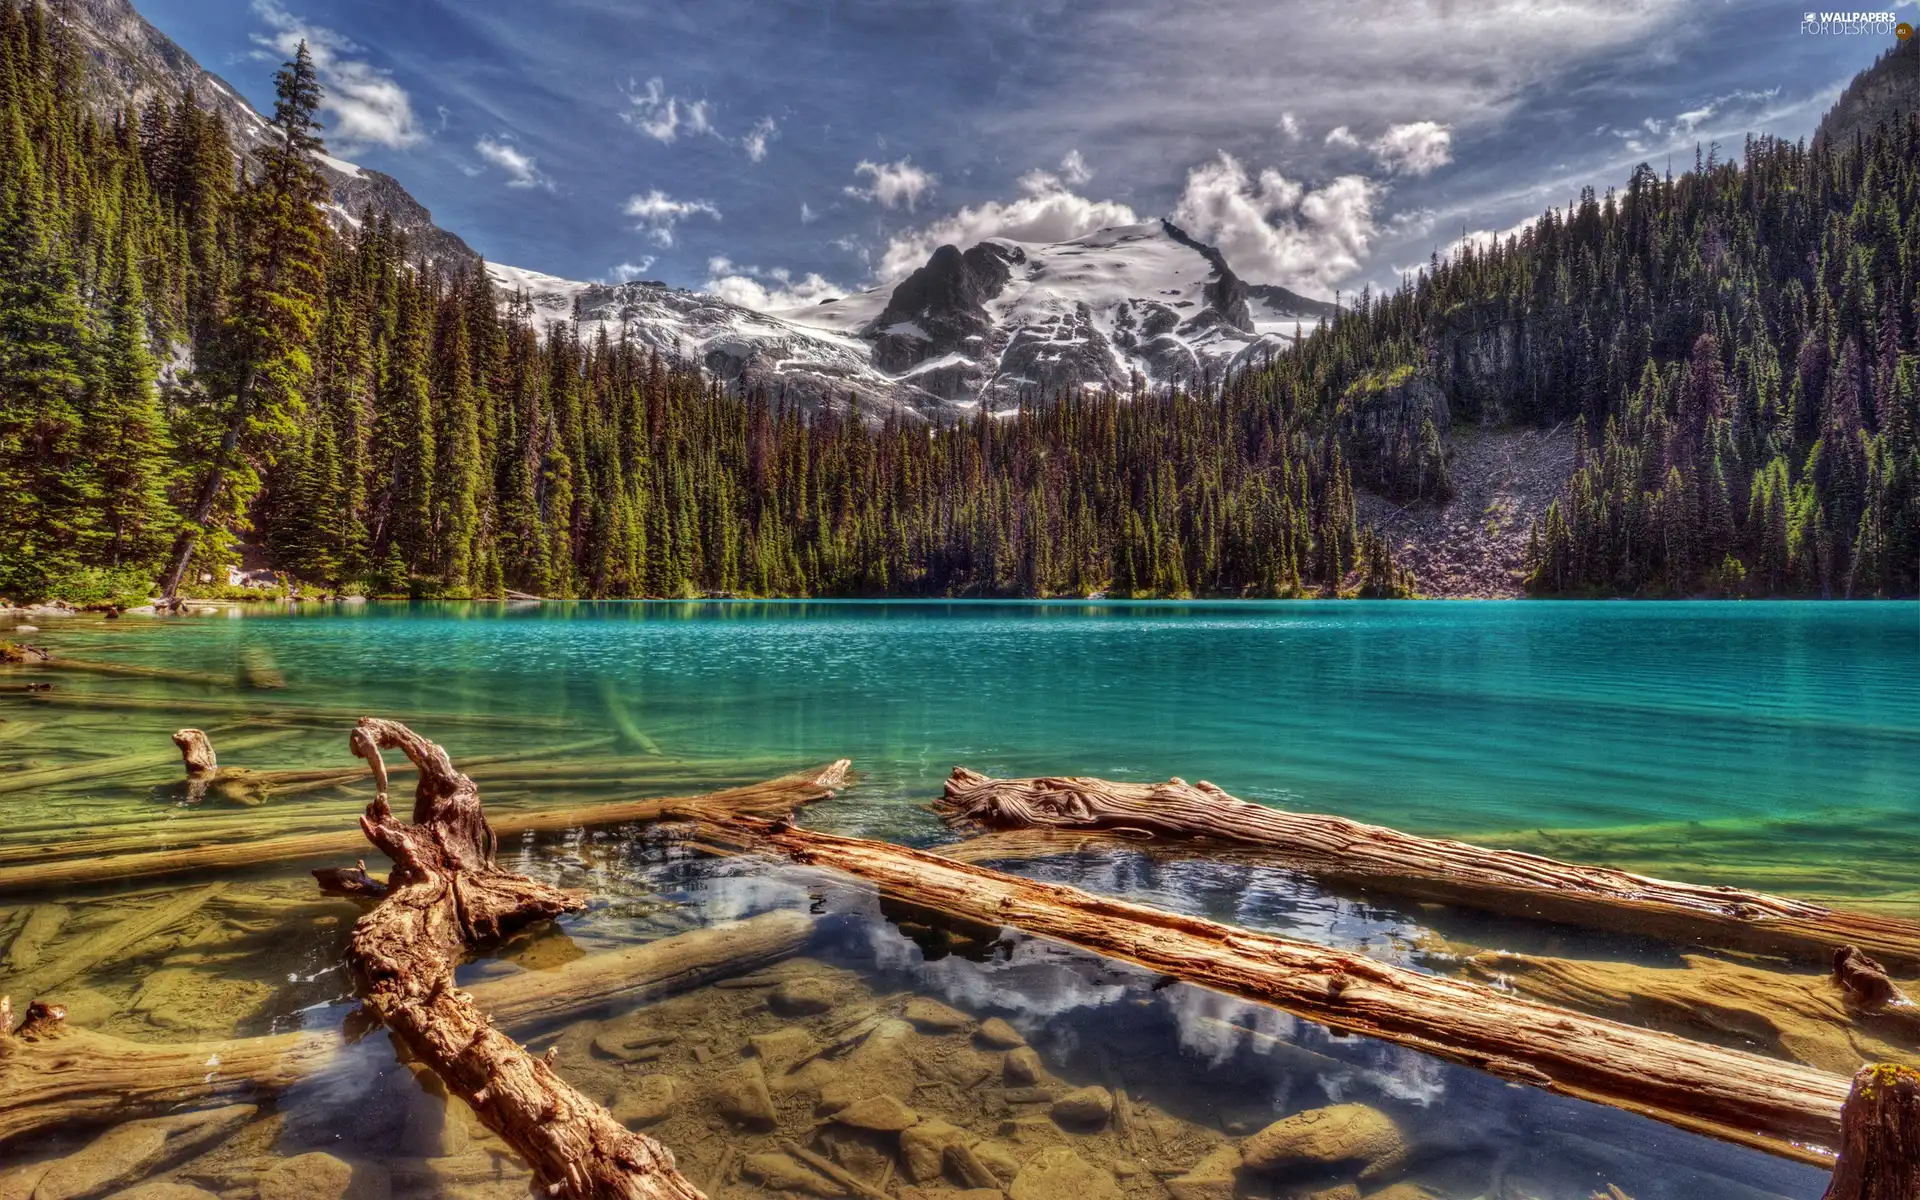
(1768, 745)
(1780, 738)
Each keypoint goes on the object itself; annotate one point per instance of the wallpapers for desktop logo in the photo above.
(1855, 24)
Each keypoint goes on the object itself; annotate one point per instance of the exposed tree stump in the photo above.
(1508, 882)
(1880, 1137)
(1865, 981)
(446, 895)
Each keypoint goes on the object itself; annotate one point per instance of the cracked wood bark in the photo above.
(1387, 860)
(772, 797)
(1782, 1108)
(446, 895)
(1880, 1148)
(53, 1075)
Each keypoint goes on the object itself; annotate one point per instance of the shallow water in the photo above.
(1770, 745)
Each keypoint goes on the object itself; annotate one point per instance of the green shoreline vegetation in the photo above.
(190, 357)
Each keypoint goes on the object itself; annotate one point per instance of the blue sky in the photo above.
(780, 150)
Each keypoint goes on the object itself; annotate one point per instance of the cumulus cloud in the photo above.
(521, 170)
(894, 184)
(368, 107)
(1416, 148)
(1273, 229)
(755, 142)
(1341, 136)
(1290, 125)
(1048, 211)
(763, 290)
(660, 213)
(1074, 170)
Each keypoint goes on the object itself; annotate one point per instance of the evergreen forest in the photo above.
(193, 356)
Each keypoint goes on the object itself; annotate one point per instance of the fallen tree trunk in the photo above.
(53, 1075)
(1779, 1107)
(770, 797)
(446, 895)
(1373, 856)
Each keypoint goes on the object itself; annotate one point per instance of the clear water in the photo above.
(1776, 745)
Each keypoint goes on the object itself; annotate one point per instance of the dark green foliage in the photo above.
(1735, 347)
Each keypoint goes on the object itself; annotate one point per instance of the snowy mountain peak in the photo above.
(1001, 322)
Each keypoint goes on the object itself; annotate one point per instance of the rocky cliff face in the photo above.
(1394, 426)
(1889, 90)
(132, 62)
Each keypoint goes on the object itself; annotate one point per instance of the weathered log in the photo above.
(1387, 860)
(1782, 1108)
(446, 895)
(99, 947)
(1801, 1016)
(124, 764)
(53, 1075)
(1880, 1137)
(772, 796)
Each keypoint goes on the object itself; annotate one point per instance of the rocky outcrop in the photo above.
(1048, 358)
(1478, 360)
(1394, 426)
(1887, 91)
(1226, 293)
(940, 309)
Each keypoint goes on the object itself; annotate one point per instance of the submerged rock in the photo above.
(1212, 1178)
(741, 1096)
(883, 1113)
(801, 997)
(128, 1153)
(320, 1176)
(931, 1016)
(1084, 1106)
(1060, 1174)
(781, 1049)
(998, 1157)
(996, 1034)
(783, 1173)
(1402, 1191)
(166, 1190)
(1327, 1137)
(1023, 1067)
(650, 1099)
(923, 1147)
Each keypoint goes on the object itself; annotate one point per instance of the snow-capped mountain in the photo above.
(132, 62)
(1003, 322)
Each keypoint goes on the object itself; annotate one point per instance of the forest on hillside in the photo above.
(191, 356)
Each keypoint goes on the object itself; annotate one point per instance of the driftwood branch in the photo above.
(771, 797)
(1782, 1108)
(1387, 860)
(53, 1075)
(446, 895)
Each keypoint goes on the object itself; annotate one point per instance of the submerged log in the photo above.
(1880, 1137)
(445, 896)
(1801, 1016)
(770, 797)
(1779, 1107)
(1387, 860)
(53, 1075)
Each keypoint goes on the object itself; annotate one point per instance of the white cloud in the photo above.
(1416, 148)
(1340, 135)
(1274, 230)
(627, 272)
(1290, 125)
(659, 213)
(807, 215)
(699, 117)
(367, 106)
(653, 111)
(521, 169)
(755, 142)
(894, 184)
(1048, 212)
(762, 290)
(1074, 170)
